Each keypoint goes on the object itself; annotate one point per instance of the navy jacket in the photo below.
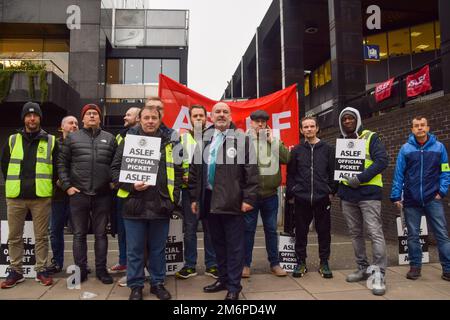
(421, 172)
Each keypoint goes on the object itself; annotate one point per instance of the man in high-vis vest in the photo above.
(29, 168)
(147, 209)
(197, 114)
(130, 120)
(361, 202)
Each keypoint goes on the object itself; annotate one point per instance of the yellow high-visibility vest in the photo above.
(188, 142)
(119, 139)
(378, 179)
(44, 166)
(170, 172)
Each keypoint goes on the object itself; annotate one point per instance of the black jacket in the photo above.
(28, 166)
(234, 183)
(153, 203)
(85, 161)
(310, 175)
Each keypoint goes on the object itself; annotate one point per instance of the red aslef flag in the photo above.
(418, 82)
(383, 90)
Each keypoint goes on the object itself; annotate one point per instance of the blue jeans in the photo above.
(121, 239)
(269, 210)
(434, 212)
(156, 232)
(59, 217)
(190, 236)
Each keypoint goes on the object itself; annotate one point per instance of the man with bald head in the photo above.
(60, 206)
(130, 120)
(223, 187)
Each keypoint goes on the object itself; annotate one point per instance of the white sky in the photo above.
(219, 33)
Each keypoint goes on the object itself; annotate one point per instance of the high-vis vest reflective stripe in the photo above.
(188, 142)
(43, 170)
(170, 172)
(378, 179)
(119, 139)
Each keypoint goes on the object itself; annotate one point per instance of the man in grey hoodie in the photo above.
(361, 202)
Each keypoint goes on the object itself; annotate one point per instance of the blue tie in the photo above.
(212, 163)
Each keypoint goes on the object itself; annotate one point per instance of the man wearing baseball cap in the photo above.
(271, 152)
(28, 163)
(84, 172)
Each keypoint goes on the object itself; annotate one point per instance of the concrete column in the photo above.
(347, 61)
(444, 20)
(292, 28)
(266, 64)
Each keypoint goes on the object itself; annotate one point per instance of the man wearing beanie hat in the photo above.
(361, 201)
(84, 172)
(29, 168)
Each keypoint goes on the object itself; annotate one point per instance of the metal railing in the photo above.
(367, 104)
(48, 64)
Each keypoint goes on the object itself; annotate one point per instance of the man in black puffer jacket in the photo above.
(84, 171)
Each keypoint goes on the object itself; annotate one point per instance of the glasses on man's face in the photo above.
(93, 113)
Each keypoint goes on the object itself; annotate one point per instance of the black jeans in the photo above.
(98, 208)
(304, 213)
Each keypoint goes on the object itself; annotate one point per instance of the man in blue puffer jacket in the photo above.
(422, 173)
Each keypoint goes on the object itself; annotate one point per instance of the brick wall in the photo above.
(394, 128)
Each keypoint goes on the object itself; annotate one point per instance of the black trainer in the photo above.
(160, 292)
(54, 267)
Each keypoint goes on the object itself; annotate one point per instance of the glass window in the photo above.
(133, 71)
(166, 18)
(114, 70)
(422, 38)
(130, 18)
(171, 68)
(327, 71)
(321, 75)
(315, 78)
(129, 37)
(152, 69)
(381, 41)
(306, 85)
(399, 42)
(437, 26)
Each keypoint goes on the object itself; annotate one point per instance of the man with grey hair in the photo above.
(130, 120)
(60, 206)
(223, 187)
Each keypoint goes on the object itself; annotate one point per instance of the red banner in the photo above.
(383, 90)
(282, 106)
(418, 82)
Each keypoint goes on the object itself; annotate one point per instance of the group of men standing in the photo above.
(226, 178)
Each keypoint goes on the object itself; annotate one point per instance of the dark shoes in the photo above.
(215, 287)
(232, 296)
(325, 270)
(54, 267)
(414, 273)
(12, 280)
(136, 294)
(104, 277)
(446, 276)
(160, 292)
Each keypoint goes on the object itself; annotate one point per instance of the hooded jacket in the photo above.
(380, 160)
(421, 172)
